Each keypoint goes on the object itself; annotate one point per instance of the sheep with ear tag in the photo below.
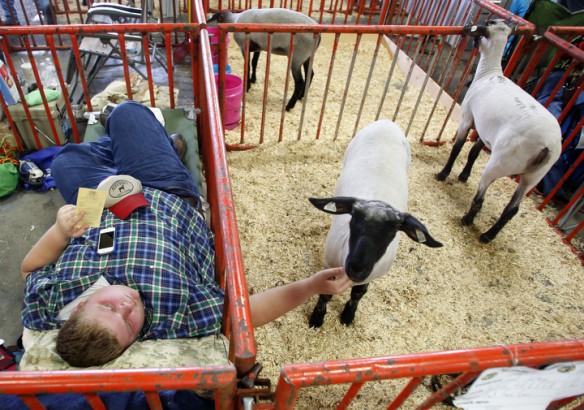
(371, 198)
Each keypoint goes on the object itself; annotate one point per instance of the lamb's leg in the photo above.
(472, 157)
(298, 87)
(308, 79)
(538, 168)
(491, 172)
(254, 65)
(248, 74)
(510, 210)
(317, 316)
(357, 293)
(461, 134)
(475, 207)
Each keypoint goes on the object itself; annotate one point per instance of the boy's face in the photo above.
(118, 308)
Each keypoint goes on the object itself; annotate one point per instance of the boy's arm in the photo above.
(53, 242)
(270, 304)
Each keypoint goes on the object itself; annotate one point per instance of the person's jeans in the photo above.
(10, 15)
(47, 10)
(136, 144)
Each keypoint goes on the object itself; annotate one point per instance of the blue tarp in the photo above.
(571, 153)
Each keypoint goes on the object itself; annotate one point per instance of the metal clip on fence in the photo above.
(249, 380)
(252, 388)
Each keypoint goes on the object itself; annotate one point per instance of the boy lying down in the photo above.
(159, 281)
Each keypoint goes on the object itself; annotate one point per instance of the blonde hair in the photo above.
(83, 342)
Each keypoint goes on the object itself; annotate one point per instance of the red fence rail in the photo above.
(221, 380)
(230, 261)
(469, 363)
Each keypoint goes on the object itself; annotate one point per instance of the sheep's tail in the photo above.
(540, 158)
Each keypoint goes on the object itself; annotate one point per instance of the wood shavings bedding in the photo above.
(523, 287)
(341, 103)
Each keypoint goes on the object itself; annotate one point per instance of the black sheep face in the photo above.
(373, 226)
(487, 30)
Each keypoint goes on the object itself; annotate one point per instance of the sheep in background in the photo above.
(523, 136)
(364, 234)
(304, 43)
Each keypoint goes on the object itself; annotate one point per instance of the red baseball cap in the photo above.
(124, 195)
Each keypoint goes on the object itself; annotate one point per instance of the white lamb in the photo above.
(304, 43)
(523, 136)
(364, 235)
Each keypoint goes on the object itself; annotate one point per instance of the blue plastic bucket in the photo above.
(216, 69)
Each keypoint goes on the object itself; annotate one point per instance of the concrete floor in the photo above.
(24, 217)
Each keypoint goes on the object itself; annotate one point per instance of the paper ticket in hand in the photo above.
(90, 201)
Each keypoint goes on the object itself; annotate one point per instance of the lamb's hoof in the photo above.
(486, 237)
(441, 176)
(467, 220)
(346, 322)
(316, 320)
(463, 177)
(347, 318)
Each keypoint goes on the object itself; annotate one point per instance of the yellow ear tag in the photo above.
(331, 207)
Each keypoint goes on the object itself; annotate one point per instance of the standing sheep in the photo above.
(523, 136)
(364, 234)
(304, 43)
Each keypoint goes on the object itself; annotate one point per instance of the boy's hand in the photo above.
(53, 242)
(333, 281)
(67, 220)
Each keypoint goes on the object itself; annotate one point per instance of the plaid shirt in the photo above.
(165, 251)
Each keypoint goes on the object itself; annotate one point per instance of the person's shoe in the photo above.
(51, 16)
(105, 113)
(179, 144)
(10, 23)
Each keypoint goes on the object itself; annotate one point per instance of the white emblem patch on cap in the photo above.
(121, 188)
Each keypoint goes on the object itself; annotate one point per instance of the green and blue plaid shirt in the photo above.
(165, 251)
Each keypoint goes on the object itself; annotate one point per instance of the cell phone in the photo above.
(107, 241)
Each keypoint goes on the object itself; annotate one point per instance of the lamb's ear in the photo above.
(416, 231)
(336, 206)
(474, 30)
(216, 17)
